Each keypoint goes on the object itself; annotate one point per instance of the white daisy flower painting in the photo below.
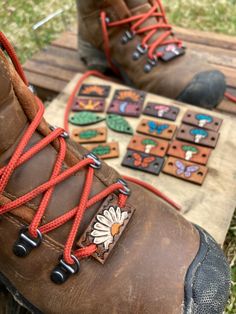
(108, 225)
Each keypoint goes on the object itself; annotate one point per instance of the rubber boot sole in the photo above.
(18, 304)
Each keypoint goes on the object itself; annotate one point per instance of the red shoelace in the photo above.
(20, 157)
(157, 11)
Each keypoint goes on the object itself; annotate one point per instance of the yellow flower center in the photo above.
(115, 229)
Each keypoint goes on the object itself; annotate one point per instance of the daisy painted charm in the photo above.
(106, 228)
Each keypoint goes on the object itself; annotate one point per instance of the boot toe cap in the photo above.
(205, 90)
(207, 282)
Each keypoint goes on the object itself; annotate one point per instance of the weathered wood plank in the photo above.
(211, 205)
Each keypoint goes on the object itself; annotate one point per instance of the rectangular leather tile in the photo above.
(104, 151)
(161, 111)
(157, 129)
(185, 170)
(89, 135)
(94, 90)
(127, 103)
(88, 104)
(148, 145)
(142, 161)
(197, 135)
(189, 152)
(202, 120)
(94, 233)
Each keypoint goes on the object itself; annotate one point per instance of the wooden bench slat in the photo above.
(206, 38)
(66, 40)
(40, 67)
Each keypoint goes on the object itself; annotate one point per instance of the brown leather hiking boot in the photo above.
(134, 38)
(76, 238)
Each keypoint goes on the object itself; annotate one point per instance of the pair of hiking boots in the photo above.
(75, 235)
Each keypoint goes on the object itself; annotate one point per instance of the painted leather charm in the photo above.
(171, 52)
(98, 135)
(161, 111)
(88, 104)
(190, 152)
(85, 118)
(154, 128)
(202, 120)
(197, 135)
(118, 124)
(148, 145)
(185, 170)
(106, 228)
(143, 162)
(104, 151)
(90, 90)
(127, 103)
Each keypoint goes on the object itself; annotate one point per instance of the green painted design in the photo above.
(190, 148)
(149, 141)
(119, 124)
(85, 118)
(88, 134)
(101, 150)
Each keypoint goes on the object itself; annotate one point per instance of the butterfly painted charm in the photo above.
(156, 128)
(139, 161)
(187, 171)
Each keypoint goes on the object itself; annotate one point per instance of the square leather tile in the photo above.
(185, 170)
(148, 145)
(88, 104)
(197, 135)
(127, 103)
(89, 135)
(202, 120)
(153, 128)
(189, 152)
(142, 161)
(104, 151)
(161, 111)
(94, 90)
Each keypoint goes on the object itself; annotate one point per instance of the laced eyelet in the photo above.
(150, 64)
(140, 50)
(107, 20)
(65, 134)
(97, 162)
(63, 271)
(128, 35)
(26, 243)
(32, 89)
(125, 190)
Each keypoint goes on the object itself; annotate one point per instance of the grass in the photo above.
(18, 17)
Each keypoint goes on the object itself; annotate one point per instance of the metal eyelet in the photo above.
(32, 89)
(65, 134)
(107, 20)
(128, 35)
(25, 243)
(63, 271)
(97, 162)
(150, 64)
(125, 190)
(140, 50)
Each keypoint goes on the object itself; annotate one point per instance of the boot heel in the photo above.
(93, 58)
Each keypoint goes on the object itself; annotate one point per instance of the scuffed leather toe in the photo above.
(205, 90)
(207, 281)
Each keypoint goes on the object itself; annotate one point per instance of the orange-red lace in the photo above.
(19, 157)
(156, 11)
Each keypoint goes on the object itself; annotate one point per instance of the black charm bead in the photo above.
(63, 271)
(25, 244)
